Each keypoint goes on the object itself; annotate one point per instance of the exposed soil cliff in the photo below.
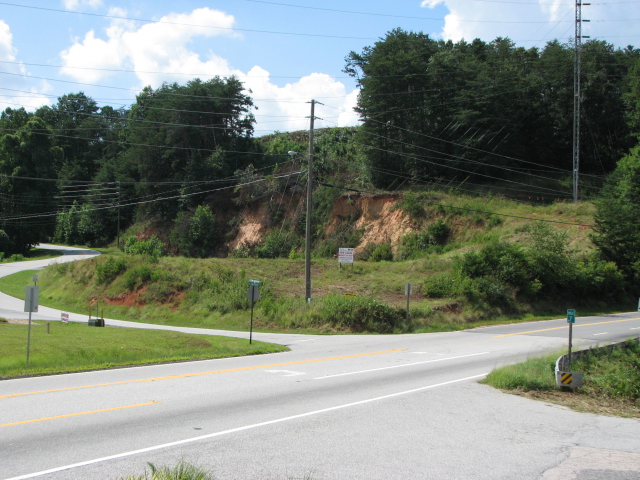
(376, 215)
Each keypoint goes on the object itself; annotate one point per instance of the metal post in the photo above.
(577, 100)
(29, 337)
(307, 253)
(251, 325)
(570, 341)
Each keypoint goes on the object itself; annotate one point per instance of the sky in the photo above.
(286, 52)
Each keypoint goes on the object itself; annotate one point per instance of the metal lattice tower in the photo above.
(577, 97)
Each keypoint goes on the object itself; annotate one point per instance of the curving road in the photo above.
(341, 407)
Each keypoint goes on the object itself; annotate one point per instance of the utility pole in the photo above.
(118, 183)
(577, 100)
(307, 248)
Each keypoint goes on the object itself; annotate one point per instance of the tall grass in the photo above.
(182, 471)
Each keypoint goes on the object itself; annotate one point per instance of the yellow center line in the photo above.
(560, 328)
(198, 374)
(76, 414)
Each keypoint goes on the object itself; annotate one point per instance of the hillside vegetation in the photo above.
(470, 260)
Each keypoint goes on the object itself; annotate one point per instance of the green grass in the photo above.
(611, 380)
(534, 374)
(76, 347)
(182, 471)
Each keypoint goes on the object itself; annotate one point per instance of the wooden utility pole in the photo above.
(307, 248)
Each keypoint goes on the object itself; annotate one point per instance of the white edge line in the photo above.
(400, 366)
(239, 429)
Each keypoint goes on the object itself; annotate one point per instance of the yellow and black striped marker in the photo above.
(566, 378)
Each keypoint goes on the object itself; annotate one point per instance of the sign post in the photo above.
(31, 295)
(407, 291)
(571, 319)
(253, 294)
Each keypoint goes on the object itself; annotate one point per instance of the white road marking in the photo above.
(400, 366)
(635, 328)
(602, 333)
(241, 429)
(287, 373)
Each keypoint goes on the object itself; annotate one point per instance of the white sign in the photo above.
(345, 255)
(31, 299)
(64, 317)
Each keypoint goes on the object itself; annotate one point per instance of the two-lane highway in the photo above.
(354, 406)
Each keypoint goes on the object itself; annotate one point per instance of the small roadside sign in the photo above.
(64, 317)
(345, 255)
(571, 316)
(255, 283)
(253, 293)
(31, 295)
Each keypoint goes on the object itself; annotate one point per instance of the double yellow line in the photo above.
(170, 377)
(563, 327)
(199, 374)
(76, 414)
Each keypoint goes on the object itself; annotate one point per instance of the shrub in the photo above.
(507, 262)
(277, 244)
(411, 204)
(152, 247)
(381, 252)
(439, 232)
(440, 285)
(414, 245)
(108, 270)
(486, 293)
(138, 276)
(361, 314)
(196, 235)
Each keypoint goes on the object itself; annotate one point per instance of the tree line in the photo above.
(491, 110)
(431, 110)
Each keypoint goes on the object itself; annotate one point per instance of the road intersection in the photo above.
(333, 407)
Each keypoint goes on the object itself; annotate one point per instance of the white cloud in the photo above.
(287, 108)
(152, 51)
(163, 51)
(16, 89)
(533, 24)
(74, 4)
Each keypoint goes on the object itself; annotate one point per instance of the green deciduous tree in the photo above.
(195, 235)
(27, 184)
(617, 230)
(193, 133)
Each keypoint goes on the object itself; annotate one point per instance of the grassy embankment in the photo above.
(611, 381)
(75, 347)
(364, 297)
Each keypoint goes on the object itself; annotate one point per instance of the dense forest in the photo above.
(435, 109)
(476, 116)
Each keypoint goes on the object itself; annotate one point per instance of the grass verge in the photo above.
(611, 381)
(76, 347)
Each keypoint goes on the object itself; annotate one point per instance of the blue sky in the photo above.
(286, 51)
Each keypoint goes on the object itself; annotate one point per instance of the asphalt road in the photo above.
(334, 407)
